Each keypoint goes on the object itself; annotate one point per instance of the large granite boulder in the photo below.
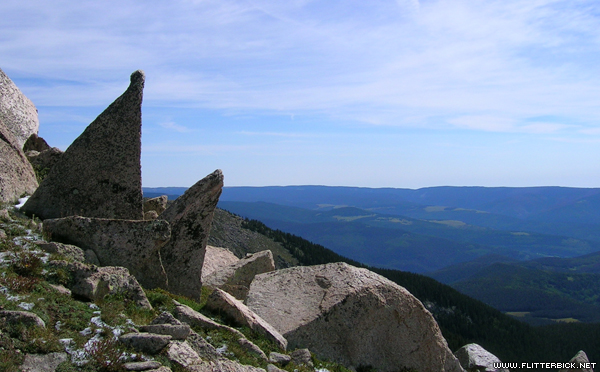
(99, 175)
(190, 217)
(17, 112)
(351, 316)
(16, 173)
(135, 245)
(474, 358)
(236, 277)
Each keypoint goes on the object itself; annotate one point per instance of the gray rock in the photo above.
(141, 366)
(177, 332)
(158, 204)
(61, 289)
(351, 316)
(190, 217)
(225, 303)
(182, 353)
(93, 283)
(281, 359)
(90, 257)
(145, 342)
(16, 173)
(216, 258)
(579, 359)
(161, 369)
(3, 234)
(205, 350)
(43, 362)
(45, 160)
(150, 215)
(223, 365)
(26, 318)
(188, 315)
(474, 358)
(273, 368)
(302, 357)
(17, 111)
(99, 175)
(135, 245)
(70, 251)
(236, 277)
(35, 143)
(252, 348)
(165, 318)
(4, 216)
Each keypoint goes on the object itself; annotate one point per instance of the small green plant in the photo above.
(19, 284)
(26, 263)
(106, 355)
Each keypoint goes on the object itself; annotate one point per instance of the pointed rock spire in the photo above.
(100, 174)
(190, 217)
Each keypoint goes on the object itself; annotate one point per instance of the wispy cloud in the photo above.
(175, 127)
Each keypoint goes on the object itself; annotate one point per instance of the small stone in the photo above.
(145, 342)
(252, 348)
(158, 204)
(178, 332)
(272, 368)
(281, 359)
(70, 251)
(141, 366)
(302, 357)
(166, 318)
(24, 317)
(42, 362)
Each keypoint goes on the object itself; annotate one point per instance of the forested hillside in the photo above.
(461, 318)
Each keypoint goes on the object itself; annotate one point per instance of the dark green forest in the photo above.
(462, 319)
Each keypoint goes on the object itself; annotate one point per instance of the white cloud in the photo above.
(175, 127)
(383, 62)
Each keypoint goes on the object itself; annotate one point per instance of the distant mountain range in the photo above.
(526, 251)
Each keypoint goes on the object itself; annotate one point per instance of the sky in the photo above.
(378, 93)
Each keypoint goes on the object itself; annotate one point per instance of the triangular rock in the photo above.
(100, 174)
(17, 111)
(190, 217)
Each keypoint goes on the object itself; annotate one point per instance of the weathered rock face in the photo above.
(352, 316)
(579, 359)
(16, 173)
(225, 303)
(17, 111)
(44, 161)
(236, 277)
(190, 217)
(135, 245)
(474, 358)
(35, 143)
(99, 175)
(216, 258)
(93, 283)
(158, 204)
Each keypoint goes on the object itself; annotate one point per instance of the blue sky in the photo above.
(396, 93)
